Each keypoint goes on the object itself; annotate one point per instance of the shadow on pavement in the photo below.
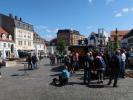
(57, 69)
(73, 83)
(23, 69)
(55, 74)
(47, 64)
(96, 85)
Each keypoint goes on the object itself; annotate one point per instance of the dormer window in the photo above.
(10, 37)
(3, 36)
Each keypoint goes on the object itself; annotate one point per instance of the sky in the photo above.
(85, 16)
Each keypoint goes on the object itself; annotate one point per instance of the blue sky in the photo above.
(86, 16)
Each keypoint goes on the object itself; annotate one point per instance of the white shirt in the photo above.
(123, 57)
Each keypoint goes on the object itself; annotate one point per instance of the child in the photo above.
(63, 77)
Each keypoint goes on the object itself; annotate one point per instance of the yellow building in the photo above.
(71, 37)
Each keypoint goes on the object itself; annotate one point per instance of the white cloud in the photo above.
(46, 32)
(45, 29)
(50, 30)
(40, 27)
(109, 1)
(90, 1)
(131, 9)
(124, 10)
(89, 27)
(118, 15)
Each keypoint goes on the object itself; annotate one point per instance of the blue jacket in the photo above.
(65, 74)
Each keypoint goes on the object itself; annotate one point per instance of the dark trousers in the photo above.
(122, 71)
(87, 75)
(113, 75)
(29, 65)
(63, 81)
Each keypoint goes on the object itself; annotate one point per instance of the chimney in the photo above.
(20, 19)
(10, 15)
(15, 17)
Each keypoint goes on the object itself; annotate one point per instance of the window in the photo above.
(19, 42)
(3, 36)
(24, 42)
(4, 45)
(10, 37)
(29, 35)
(29, 43)
(9, 45)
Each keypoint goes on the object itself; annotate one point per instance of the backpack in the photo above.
(101, 62)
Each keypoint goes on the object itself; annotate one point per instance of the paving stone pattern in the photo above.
(15, 84)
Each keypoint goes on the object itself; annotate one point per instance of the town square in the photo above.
(66, 50)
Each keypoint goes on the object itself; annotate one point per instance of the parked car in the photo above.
(130, 59)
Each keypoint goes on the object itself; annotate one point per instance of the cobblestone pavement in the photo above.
(15, 84)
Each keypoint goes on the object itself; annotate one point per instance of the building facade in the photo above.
(40, 46)
(6, 44)
(23, 35)
(71, 37)
(98, 39)
(121, 34)
(127, 41)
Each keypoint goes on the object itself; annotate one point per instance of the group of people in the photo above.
(32, 62)
(96, 63)
(56, 58)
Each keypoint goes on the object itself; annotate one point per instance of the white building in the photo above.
(40, 46)
(6, 44)
(127, 41)
(100, 38)
(23, 36)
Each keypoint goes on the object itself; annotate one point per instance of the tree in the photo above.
(116, 41)
(61, 46)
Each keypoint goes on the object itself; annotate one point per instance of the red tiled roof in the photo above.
(3, 31)
(121, 32)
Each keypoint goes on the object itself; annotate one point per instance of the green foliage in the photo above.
(116, 41)
(61, 45)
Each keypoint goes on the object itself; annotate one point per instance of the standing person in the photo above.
(50, 57)
(115, 65)
(29, 62)
(0, 66)
(100, 67)
(71, 62)
(107, 58)
(77, 60)
(123, 64)
(57, 57)
(88, 64)
(34, 61)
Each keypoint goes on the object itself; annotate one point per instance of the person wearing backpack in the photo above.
(100, 67)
